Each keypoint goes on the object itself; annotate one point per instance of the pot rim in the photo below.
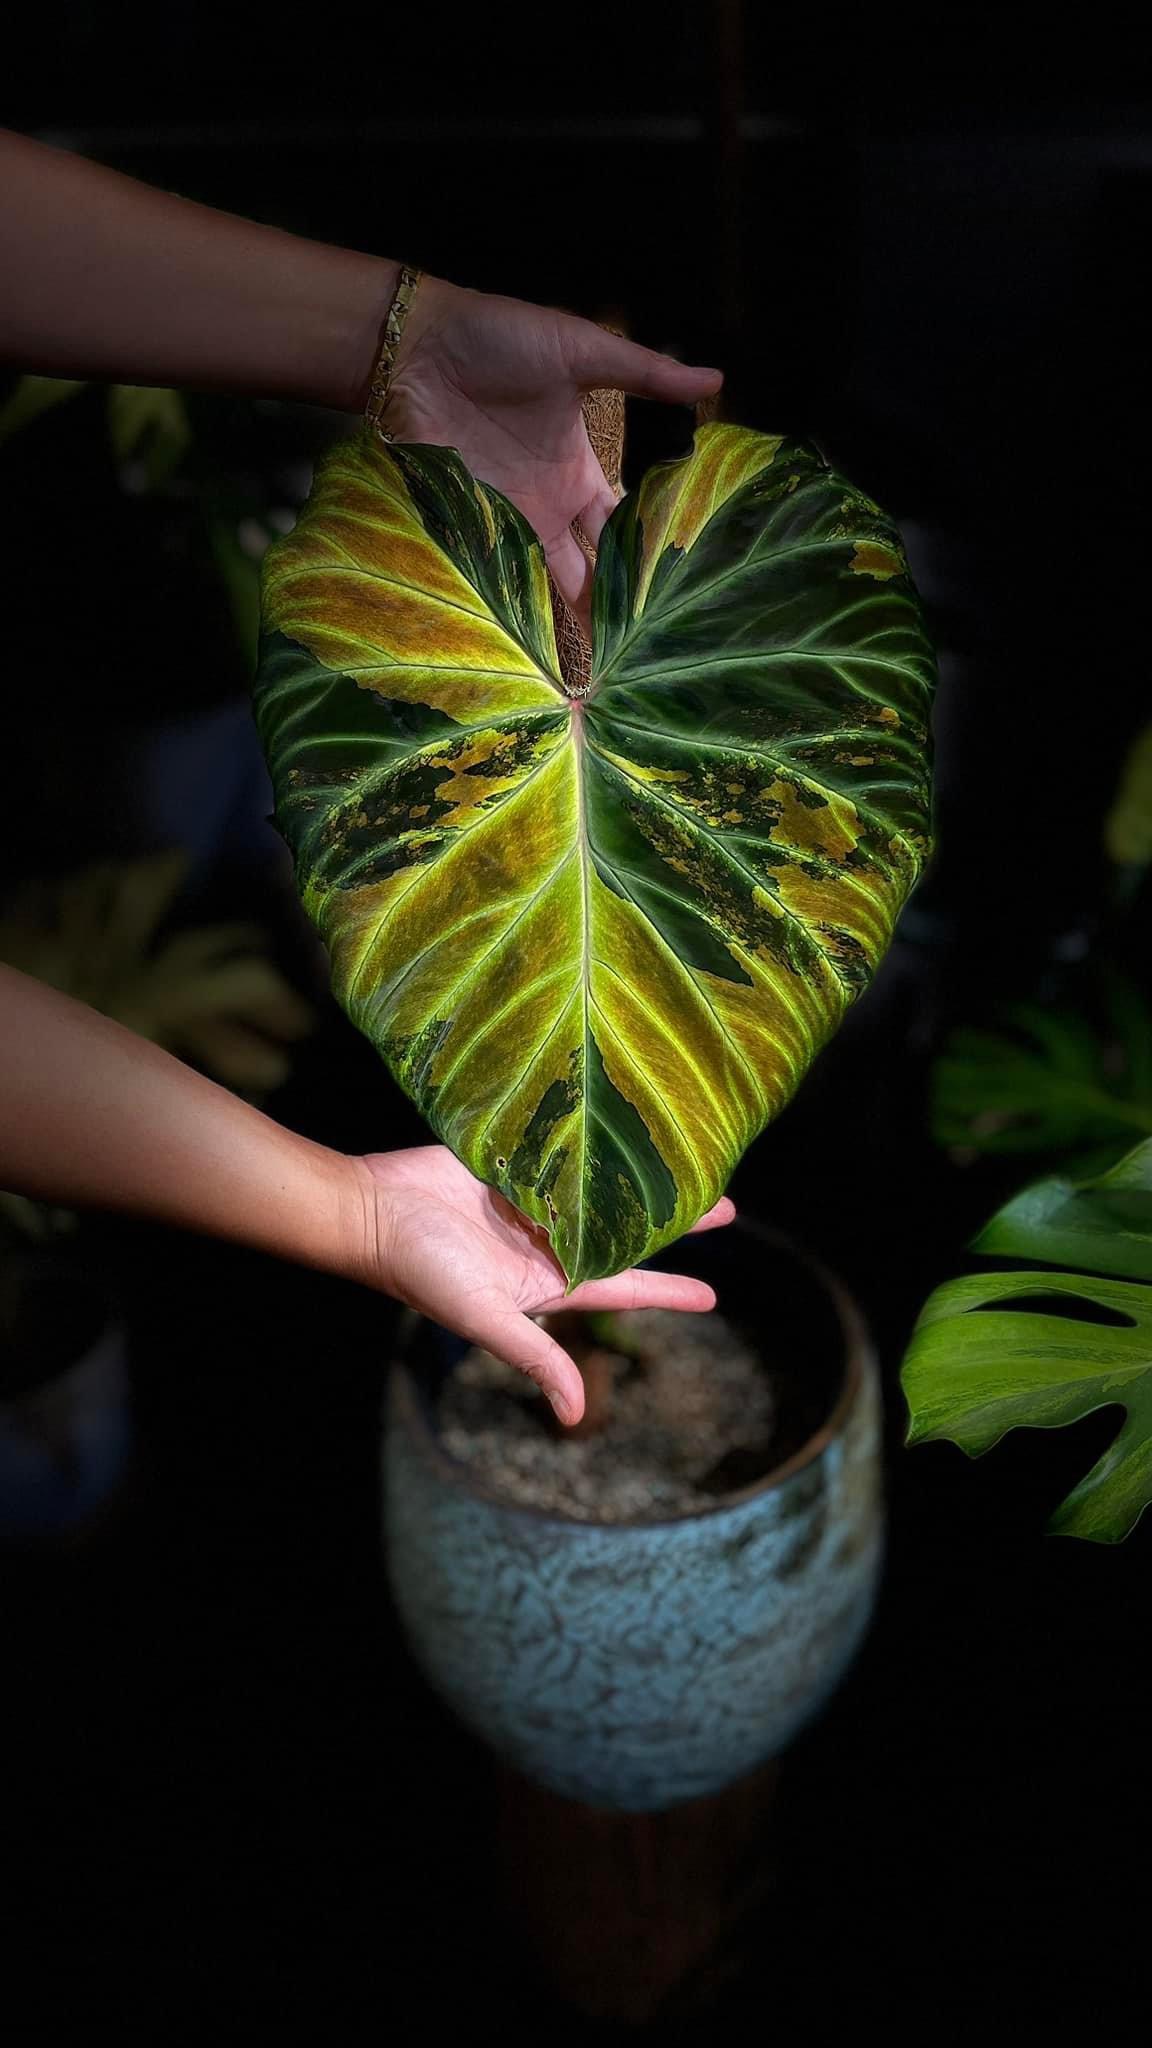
(858, 1358)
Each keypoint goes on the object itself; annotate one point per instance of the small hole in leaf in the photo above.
(1072, 1307)
(501, 1163)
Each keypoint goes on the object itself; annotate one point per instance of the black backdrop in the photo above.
(228, 1796)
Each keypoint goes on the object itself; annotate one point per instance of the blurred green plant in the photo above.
(151, 439)
(148, 427)
(1049, 1083)
(210, 994)
(30, 397)
(1128, 826)
(1043, 1347)
(1064, 1082)
(1038, 1349)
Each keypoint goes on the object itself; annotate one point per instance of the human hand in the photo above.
(452, 1248)
(502, 381)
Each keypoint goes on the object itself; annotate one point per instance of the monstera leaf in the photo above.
(600, 930)
(1035, 1349)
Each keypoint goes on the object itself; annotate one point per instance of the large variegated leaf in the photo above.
(599, 938)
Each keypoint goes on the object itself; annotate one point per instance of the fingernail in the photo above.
(562, 1409)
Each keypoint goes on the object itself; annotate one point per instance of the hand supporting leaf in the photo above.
(502, 383)
(458, 1252)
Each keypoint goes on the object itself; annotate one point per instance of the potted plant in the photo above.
(599, 904)
(210, 994)
(641, 1615)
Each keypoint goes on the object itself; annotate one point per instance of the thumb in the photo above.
(522, 1343)
(603, 361)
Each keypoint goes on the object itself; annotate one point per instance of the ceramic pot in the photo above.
(633, 1665)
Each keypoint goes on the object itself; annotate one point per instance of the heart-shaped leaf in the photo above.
(989, 1353)
(599, 937)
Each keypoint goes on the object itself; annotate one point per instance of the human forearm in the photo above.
(92, 1116)
(103, 277)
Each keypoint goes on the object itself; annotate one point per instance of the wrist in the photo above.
(325, 1215)
(417, 307)
(344, 325)
(348, 1227)
(351, 315)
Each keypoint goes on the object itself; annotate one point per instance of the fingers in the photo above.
(720, 1213)
(608, 361)
(572, 574)
(641, 1289)
(595, 515)
(522, 1343)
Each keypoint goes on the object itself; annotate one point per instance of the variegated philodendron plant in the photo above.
(599, 930)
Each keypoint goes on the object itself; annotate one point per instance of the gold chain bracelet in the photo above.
(386, 360)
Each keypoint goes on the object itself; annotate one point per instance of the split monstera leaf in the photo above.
(599, 928)
(1035, 1349)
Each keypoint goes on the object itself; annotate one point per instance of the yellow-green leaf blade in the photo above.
(599, 942)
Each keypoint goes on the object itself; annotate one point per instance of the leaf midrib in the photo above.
(583, 841)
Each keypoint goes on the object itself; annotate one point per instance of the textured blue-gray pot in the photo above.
(634, 1665)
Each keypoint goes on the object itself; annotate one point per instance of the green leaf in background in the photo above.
(32, 396)
(599, 933)
(1128, 827)
(979, 1364)
(150, 435)
(211, 994)
(147, 425)
(238, 542)
(1103, 1225)
(149, 431)
(1050, 1081)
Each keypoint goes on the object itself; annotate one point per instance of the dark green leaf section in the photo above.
(776, 664)
(488, 539)
(357, 770)
(763, 641)
(632, 1188)
(635, 846)
(326, 738)
(630, 1181)
(983, 1361)
(407, 816)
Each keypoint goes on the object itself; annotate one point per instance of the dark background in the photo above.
(228, 1796)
